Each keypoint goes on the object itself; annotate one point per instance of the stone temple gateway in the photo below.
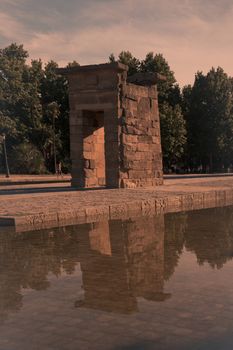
(114, 128)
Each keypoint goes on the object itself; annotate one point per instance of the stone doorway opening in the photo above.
(94, 148)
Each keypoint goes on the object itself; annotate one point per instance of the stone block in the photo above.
(135, 207)
(143, 106)
(101, 181)
(131, 147)
(95, 213)
(89, 173)
(88, 147)
(91, 181)
(118, 211)
(137, 164)
(126, 139)
(156, 140)
(127, 164)
(137, 174)
(148, 207)
(133, 130)
(128, 183)
(143, 147)
(100, 172)
(145, 138)
(124, 174)
(174, 203)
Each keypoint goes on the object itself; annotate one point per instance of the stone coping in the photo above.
(32, 179)
(31, 211)
(92, 67)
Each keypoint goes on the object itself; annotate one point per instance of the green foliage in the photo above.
(208, 108)
(54, 92)
(158, 64)
(173, 134)
(8, 126)
(26, 92)
(13, 91)
(127, 58)
(27, 159)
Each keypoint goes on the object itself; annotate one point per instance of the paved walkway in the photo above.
(31, 207)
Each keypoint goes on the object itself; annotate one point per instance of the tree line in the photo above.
(196, 121)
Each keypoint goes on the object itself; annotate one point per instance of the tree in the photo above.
(54, 89)
(173, 126)
(73, 64)
(26, 91)
(12, 90)
(209, 116)
(173, 131)
(157, 64)
(128, 59)
(20, 107)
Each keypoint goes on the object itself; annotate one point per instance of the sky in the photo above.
(193, 35)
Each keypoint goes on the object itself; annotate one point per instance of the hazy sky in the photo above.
(192, 34)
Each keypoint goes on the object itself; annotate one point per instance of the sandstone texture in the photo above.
(26, 209)
(114, 128)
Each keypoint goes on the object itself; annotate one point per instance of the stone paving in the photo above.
(36, 207)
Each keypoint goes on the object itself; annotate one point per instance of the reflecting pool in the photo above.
(163, 282)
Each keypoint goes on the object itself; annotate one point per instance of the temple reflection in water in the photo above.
(120, 261)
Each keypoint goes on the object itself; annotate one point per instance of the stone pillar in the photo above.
(141, 156)
(112, 147)
(76, 147)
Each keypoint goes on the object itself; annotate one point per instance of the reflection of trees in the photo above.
(27, 259)
(175, 227)
(209, 235)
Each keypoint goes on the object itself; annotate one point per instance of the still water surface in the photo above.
(147, 283)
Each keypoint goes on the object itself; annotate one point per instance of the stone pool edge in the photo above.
(151, 206)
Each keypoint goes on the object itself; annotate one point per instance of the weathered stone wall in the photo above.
(114, 129)
(141, 156)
